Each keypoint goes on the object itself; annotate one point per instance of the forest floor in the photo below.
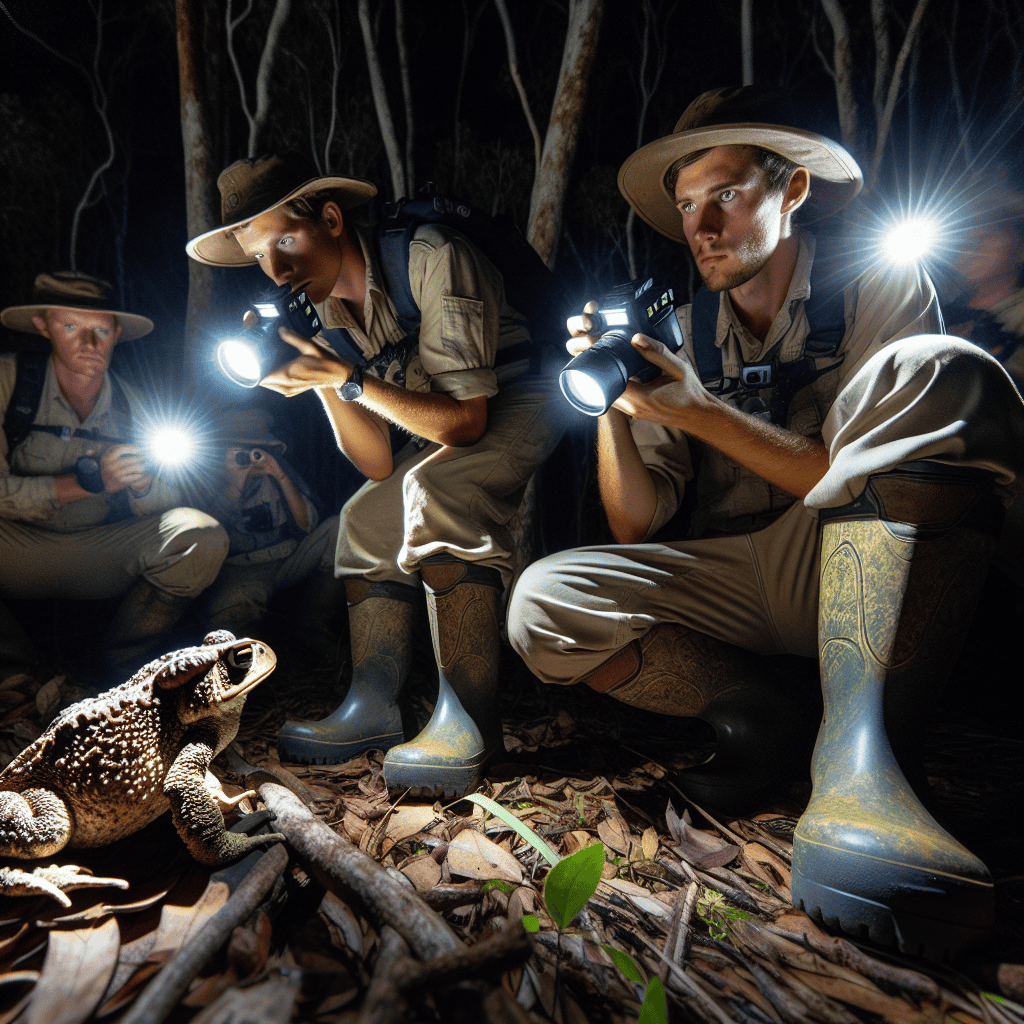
(578, 767)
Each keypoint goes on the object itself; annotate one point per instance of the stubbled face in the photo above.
(83, 341)
(303, 254)
(731, 221)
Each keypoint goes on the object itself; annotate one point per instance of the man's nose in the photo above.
(709, 221)
(277, 267)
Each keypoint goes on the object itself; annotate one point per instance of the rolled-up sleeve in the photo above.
(459, 293)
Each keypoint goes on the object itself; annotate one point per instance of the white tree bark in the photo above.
(403, 68)
(880, 27)
(380, 102)
(882, 131)
(549, 188)
(513, 67)
(842, 57)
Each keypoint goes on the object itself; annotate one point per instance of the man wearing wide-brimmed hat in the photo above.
(434, 515)
(856, 415)
(81, 515)
(277, 538)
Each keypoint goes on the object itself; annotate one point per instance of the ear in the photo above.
(798, 189)
(332, 217)
(40, 325)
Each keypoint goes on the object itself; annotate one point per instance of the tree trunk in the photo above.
(380, 103)
(747, 40)
(280, 16)
(403, 67)
(843, 69)
(200, 211)
(513, 67)
(549, 189)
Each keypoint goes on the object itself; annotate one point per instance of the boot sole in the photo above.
(298, 750)
(967, 907)
(433, 780)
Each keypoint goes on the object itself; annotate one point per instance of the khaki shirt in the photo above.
(27, 488)
(881, 306)
(465, 323)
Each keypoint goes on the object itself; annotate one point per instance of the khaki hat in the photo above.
(250, 188)
(248, 428)
(747, 116)
(67, 289)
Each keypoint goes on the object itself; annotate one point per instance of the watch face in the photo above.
(351, 389)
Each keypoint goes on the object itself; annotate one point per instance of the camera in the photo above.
(247, 458)
(247, 357)
(592, 380)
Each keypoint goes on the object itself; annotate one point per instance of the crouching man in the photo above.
(846, 511)
(81, 515)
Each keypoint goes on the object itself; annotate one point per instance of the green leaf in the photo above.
(571, 882)
(530, 923)
(516, 825)
(993, 997)
(655, 1005)
(626, 964)
(498, 883)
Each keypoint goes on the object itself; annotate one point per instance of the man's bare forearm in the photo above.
(627, 491)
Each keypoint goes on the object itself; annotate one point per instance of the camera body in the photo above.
(594, 379)
(247, 357)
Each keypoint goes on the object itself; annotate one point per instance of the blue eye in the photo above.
(727, 194)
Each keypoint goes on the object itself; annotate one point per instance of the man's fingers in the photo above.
(307, 348)
(655, 352)
(250, 319)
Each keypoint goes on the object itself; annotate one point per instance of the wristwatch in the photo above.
(88, 474)
(353, 386)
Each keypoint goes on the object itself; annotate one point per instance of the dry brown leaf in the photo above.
(866, 997)
(574, 841)
(649, 843)
(640, 897)
(614, 833)
(424, 872)
(79, 964)
(406, 822)
(47, 699)
(472, 855)
(354, 826)
(340, 915)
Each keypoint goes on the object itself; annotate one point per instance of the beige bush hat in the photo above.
(249, 428)
(249, 188)
(747, 116)
(68, 289)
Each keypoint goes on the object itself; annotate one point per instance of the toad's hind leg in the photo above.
(33, 823)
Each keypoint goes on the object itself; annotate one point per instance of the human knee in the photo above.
(530, 609)
(197, 540)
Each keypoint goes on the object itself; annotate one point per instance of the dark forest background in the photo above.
(97, 96)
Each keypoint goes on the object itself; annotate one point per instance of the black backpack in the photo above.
(530, 287)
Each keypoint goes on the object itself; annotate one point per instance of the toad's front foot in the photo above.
(53, 881)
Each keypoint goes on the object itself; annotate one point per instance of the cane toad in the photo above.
(109, 765)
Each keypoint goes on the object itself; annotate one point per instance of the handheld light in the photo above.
(910, 241)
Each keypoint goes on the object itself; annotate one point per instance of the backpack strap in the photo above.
(28, 390)
(703, 328)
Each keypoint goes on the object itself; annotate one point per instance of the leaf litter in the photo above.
(699, 904)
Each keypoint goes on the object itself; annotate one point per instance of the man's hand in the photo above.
(671, 399)
(580, 327)
(122, 466)
(315, 367)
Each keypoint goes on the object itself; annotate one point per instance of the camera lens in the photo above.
(243, 458)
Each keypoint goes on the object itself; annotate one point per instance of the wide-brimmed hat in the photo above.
(67, 289)
(250, 188)
(747, 116)
(248, 428)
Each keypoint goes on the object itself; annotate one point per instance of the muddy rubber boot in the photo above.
(447, 758)
(139, 629)
(380, 627)
(901, 571)
(763, 731)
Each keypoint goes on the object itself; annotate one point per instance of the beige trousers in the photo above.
(179, 551)
(930, 397)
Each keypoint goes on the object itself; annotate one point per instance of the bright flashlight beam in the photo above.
(171, 446)
(910, 241)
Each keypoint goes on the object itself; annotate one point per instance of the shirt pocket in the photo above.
(462, 322)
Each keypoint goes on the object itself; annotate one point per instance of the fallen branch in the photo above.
(163, 993)
(350, 873)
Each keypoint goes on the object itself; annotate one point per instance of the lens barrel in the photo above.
(592, 380)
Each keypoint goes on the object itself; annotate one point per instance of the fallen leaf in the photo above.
(614, 833)
(649, 843)
(424, 872)
(472, 855)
